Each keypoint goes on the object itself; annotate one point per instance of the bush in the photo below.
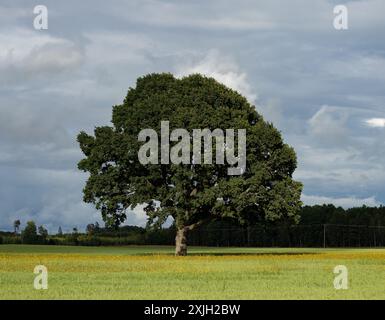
(88, 240)
(11, 240)
(160, 237)
(59, 241)
(50, 241)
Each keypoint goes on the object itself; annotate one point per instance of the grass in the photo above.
(152, 272)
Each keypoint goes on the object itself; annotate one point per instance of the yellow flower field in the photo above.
(207, 273)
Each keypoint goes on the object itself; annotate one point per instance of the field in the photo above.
(207, 273)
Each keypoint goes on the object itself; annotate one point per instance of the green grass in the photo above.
(152, 272)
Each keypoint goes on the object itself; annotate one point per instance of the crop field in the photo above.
(207, 273)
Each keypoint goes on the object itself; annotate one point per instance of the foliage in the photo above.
(16, 226)
(11, 239)
(29, 234)
(190, 194)
(43, 232)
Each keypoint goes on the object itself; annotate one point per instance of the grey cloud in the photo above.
(316, 84)
(27, 58)
(347, 202)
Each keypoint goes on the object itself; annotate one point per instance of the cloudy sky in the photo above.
(322, 87)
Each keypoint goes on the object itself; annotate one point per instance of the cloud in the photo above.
(9, 14)
(376, 122)
(329, 125)
(218, 15)
(52, 197)
(53, 56)
(337, 156)
(266, 15)
(319, 86)
(354, 65)
(120, 47)
(223, 69)
(345, 202)
(27, 55)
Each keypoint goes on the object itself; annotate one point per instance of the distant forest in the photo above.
(320, 225)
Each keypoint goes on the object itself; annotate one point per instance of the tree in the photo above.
(189, 193)
(29, 234)
(60, 231)
(90, 229)
(43, 232)
(16, 226)
(73, 237)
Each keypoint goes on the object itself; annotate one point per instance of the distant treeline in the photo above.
(329, 214)
(319, 226)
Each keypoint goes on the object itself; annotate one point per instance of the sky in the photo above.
(322, 88)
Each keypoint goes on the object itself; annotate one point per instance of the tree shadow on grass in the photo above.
(223, 254)
(251, 253)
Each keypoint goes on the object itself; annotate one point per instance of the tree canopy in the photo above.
(29, 234)
(189, 193)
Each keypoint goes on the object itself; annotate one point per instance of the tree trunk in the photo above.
(181, 241)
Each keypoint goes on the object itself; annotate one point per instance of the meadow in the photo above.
(152, 272)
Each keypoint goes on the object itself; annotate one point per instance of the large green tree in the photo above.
(189, 193)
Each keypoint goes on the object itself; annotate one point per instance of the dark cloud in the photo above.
(319, 86)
